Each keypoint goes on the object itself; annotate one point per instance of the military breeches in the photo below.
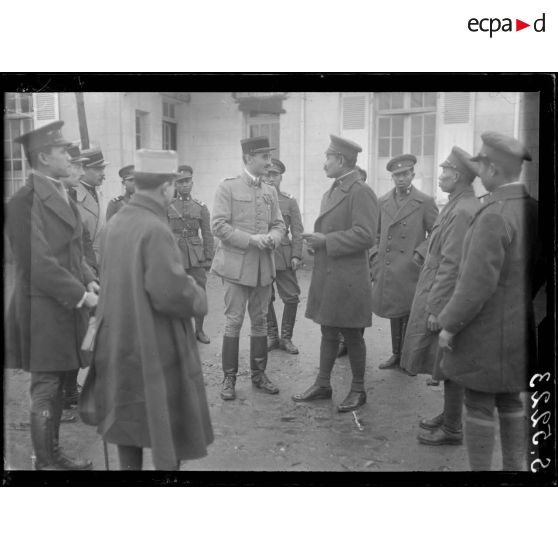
(199, 275)
(46, 392)
(287, 286)
(237, 297)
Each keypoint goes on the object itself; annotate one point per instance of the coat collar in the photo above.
(510, 191)
(413, 201)
(466, 192)
(249, 179)
(45, 190)
(146, 202)
(338, 191)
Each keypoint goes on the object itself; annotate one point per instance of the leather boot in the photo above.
(258, 363)
(393, 360)
(71, 389)
(513, 437)
(229, 358)
(287, 326)
(43, 441)
(272, 329)
(200, 334)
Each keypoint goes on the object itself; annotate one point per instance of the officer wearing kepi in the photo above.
(249, 225)
(288, 258)
(129, 182)
(188, 217)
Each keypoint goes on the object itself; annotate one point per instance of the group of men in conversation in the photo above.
(456, 285)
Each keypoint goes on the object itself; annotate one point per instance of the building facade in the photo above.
(205, 129)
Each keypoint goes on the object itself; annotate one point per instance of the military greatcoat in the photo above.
(241, 209)
(437, 279)
(44, 329)
(149, 384)
(491, 309)
(340, 293)
(402, 231)
(290, 247)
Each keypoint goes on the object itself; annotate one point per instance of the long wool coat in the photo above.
(437, 279)
(340, 290)
(401, 232)
(149, 387)
(44, 329)
(491, 309)
(240, 210)
(290, 247)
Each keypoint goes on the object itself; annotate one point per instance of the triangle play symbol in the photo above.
(519, 25)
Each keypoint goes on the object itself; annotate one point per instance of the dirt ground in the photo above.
(261, 432)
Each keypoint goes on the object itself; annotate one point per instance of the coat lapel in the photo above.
(53, 200)
(332, 198)
(411, 204)
(85, 200)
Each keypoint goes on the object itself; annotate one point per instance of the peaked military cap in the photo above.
(343, 146)
(460, 160)
(46, 136)
(501, 149)
(259, 144)
(186, 168)
(277, 166)
(154, 167)
(75, 153)
(401, 163)
(126, 172)
(94, 158)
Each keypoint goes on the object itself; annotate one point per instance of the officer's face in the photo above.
(129, 185)
(258, 164)
(274, 178)
(57, 162)
(94, 176)
(333, 165)
(447, 180)
(403, 179)
(185, 184)
(487, 174)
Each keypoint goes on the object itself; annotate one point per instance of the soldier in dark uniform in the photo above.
(288, 258)
(187, 217)
(129, 183)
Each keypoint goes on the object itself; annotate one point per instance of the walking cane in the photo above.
(105, 449)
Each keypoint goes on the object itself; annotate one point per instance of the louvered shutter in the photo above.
(46, 109)
(354, 122)
(456, 126)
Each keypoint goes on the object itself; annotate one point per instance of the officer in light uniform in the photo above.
(188, 217)
(288, 258)
(248, 223)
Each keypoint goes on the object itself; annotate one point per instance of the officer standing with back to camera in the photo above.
(129, 182)
(407, 216)
(288, 258)
(188, 217)
(248, 223)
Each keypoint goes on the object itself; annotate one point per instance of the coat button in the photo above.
(402, 251)
(404, 223)
(389, 237)
(387, 262)
(403, 236)
(388, 249)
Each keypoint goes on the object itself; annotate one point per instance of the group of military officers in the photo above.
(456, 286)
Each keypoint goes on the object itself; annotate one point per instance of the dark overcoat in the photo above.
(402, 231)
(491, 309)
(340, 290)
(291, 246)
(44, 329)
(437, 279)
(149, 388)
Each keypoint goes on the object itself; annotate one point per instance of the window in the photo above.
(19, 103)
(170, 126)
(169, 135)
(15, 164)
(265, 125)
(141, 129)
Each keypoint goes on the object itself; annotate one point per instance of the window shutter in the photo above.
(46, 108)
(354, 112)
(457, 107)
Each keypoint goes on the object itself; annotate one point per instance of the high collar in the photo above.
(55, 181)
(345, 181)
(509, 191)
(458, 192)
(185, 197)
(252, 180)
(147, 202)
(406, 192)
(88, 185)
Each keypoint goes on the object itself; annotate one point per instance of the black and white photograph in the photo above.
(312, 281)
